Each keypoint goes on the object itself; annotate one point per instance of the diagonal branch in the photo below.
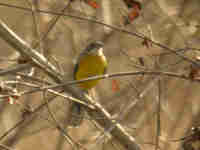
(25, 49)
(39, 60)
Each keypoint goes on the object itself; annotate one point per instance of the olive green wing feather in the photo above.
(75, 70)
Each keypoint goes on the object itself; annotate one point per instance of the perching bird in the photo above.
(91, 62)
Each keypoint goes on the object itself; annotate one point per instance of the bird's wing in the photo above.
(84, 52)
(75, 69)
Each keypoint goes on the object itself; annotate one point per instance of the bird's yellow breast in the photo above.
(88, 66)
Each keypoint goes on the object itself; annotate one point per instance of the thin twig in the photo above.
(106, 76)
(4, 147)
(20, 122)
(158, 116)
(52, 23)
(15, 69)
(66, 136)
(12, 129)
(50, 91)
(34, 16)
(114, 75)
(138, 35)
(25, 49)
(118, 132)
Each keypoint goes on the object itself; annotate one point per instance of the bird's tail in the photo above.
(77, 116)
(78, 111)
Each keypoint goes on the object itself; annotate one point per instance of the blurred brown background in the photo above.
(173, 23)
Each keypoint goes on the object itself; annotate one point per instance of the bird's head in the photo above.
(95, 48)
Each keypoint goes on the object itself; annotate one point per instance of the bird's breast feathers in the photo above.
(90, 66)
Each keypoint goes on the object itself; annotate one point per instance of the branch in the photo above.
(138, 35)
(39, 60)
(14, 69)
(25, 49)
(114, 75)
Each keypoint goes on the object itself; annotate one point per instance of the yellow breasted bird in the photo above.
(91, 62)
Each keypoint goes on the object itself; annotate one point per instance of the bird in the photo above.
(91, 62)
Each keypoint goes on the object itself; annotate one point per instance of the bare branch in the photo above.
(21, 46)
(14, 69)
(25, 49)
(138, 35)
(120, 74)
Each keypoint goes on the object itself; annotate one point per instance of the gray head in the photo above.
(94, 46)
